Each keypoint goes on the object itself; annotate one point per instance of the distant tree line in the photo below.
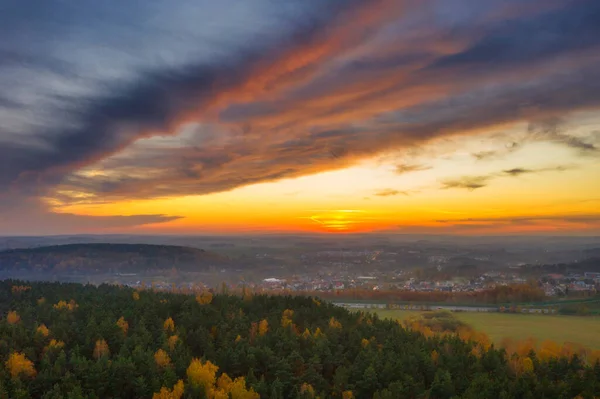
(514, 293)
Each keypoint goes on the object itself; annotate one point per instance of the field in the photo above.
(577, 329)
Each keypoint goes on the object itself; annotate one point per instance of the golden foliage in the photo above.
(308, 390)
(172, 341)
(364, 342)
(169, 325)
(286, 318)
(202, 374)
(123, 325)
(333, 323)
(594, 356)
(17, 364)
(318, 333)
(524, 347)
(175, 393)
(263, 327)
(224, 382)
(347, 395)
(253, 331)
(17, 289)
(306, 333)
(316, 302)
(135, 296)
(13, 317)
(527, 365)
(238, 338)
(246, 294)
(41, 301)
(43, 330)
(204, 298)
(54, 344)
(435, 356)
(101, 349)
(549, 350)
(236, 389)
(161, 358)
(63, 305)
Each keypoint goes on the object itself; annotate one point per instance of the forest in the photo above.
(102, 258)
(76, 341)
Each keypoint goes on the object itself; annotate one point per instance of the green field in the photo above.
(578, 329)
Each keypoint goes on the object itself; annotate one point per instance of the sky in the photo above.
(317, 116)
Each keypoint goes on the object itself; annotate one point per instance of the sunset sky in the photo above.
(205, 116)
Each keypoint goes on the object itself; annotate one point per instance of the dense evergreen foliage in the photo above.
(74, 341)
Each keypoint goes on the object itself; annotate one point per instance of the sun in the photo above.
(340, 220)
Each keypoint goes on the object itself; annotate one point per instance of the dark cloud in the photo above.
(585, 219)
(389, 192)
(481, 155)
(407, 168)
(493, 154)
(467, 182)
(555, 130)
(475, 182)
(517, 171)
(30, 216)
(154, 102)
(573, 28)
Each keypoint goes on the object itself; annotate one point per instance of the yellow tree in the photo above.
(238, 390)
(307, 390)
(263, 327)
(172, 342)
(435, 356)
(227, 389)
(253, 331)
(161, 358)
(527, 365)
(123, 325)
(169, 325)
(347, 395)
(43, 330)
(101, 349)
(549, 349)
(63, 305)
(55, 344)
(17, 364)
(286, 318)
(204, 298)
(166, 393)
(333, 323)
(13, 317)
(202, 374)
(136, 296)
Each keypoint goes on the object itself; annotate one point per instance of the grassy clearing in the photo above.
(577, 329)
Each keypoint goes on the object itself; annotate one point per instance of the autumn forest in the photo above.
(75, 341)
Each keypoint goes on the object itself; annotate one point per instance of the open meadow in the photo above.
(584, 330)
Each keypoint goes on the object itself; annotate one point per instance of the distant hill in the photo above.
(99, 258)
